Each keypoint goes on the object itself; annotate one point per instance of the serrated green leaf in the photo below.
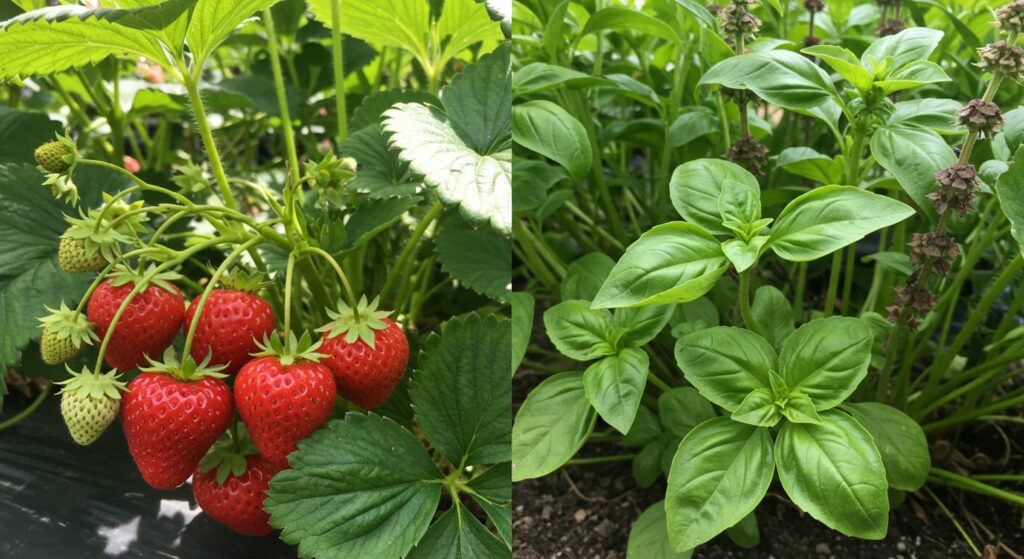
(360, 487)
(214, 20)
(480, 258)
(457, 534)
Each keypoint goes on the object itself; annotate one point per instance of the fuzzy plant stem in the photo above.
(339, 71)
(282, 98)
(31, 408)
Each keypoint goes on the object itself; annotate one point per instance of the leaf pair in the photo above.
(614, 384)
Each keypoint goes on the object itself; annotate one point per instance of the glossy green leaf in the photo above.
(696, 187)
(522, 325)
(900, 441)
(214, 20)
(615, 384)
(348, 495)
(745, 532)
(683, 408)
(648, 538)
(913, 156)
(780, 77)
(646, 428)
(695, 315)
(827, 358)
(834, 472)
(640, 325)
(674, 262)
(758, 409)
(916, 43)
(479, 258)
(461, 392)
(806, 162)
(579, 332)
(829, 218)
(492, 490)
(630, 20)
(799, 408)
(538, 77)
(687, 127)
(551, 426)
(459, 535)
(700, 12)
(549, 130)
(720, 473)
(933, 114)
(915, 74)
(773, 313)
(743, 254)
(725, 363)
(584, 276)
(844, 62)
(647, 464)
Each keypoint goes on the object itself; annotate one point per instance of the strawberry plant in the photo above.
(271, 237)
(769, 244)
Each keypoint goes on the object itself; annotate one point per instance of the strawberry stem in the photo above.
(349, 293)
(289, 272)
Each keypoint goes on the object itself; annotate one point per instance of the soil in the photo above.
(585, 512)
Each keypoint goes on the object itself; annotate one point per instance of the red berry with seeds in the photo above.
(147, 325)
(284, 395)
(368, 353)
(232, 322)
(238, 499)
(171, 416)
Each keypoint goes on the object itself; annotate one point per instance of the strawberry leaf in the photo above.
(361, 487)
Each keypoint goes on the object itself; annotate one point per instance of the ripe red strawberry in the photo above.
(172, 414)
(368, 354)
(148, 324)
(284, 395)
(231, 324)
(230, 483)
(237, 501)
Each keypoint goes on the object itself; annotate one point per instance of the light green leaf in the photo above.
(615, 384)
(933, 114)
(695, 315)
(481, 185)
(834, 472)
(551, 426)
(830, 217)
(681, 409)
(916, 43)
(827, 358)
(674, 262)
(696, 186)
(628, 19)
(579, 332)
(743, 254)
(806, 162)
(913, 156)
(541, 76)
(214, 20)
(758, 409)
(799, 408)
(648, 538)
(522, 325)
(845, 64)
(641, 324)
(583, 278)
(917, 73)
(549, 130)
(720, 473)
(725, 363)
(349, 493)
(687, 127)
(900, 441)
(773, 313)
(461, 392)
(465, 23)
(781, 77)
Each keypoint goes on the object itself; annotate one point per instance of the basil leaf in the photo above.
(641, 324)
(738, 202)
(674, 262)
(549, 130)
(807, 163)
(725, 363)
(696, 187)
(615, 384)
(522, 324)
(551, 426)
(781, 77)
(758, 409)
(743, 254)
(583, 278)
(745, 532)
(828, 218)
(800, 409)
(720, 473)
(646, 428)
(1010, 189)
(827, 358)
(913, 155)
(916, 43)
(844, 62)
(647, 464)
(695, 315)
(773, 313)
(834, 472)
(648, 538)
(900, 441)
(578, 331)
(681, 409)
(917, 73)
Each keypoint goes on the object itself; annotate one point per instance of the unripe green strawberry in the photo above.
(89, 404)
(65, 333)
(50, 156)
(75, 258)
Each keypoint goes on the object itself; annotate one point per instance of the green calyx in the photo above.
(66, 324)
(124, 276)
(228, 454)
(240, 280)
(331, 172)
(98, 386)
(291, 350)
(186, 369)
(360, 323)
